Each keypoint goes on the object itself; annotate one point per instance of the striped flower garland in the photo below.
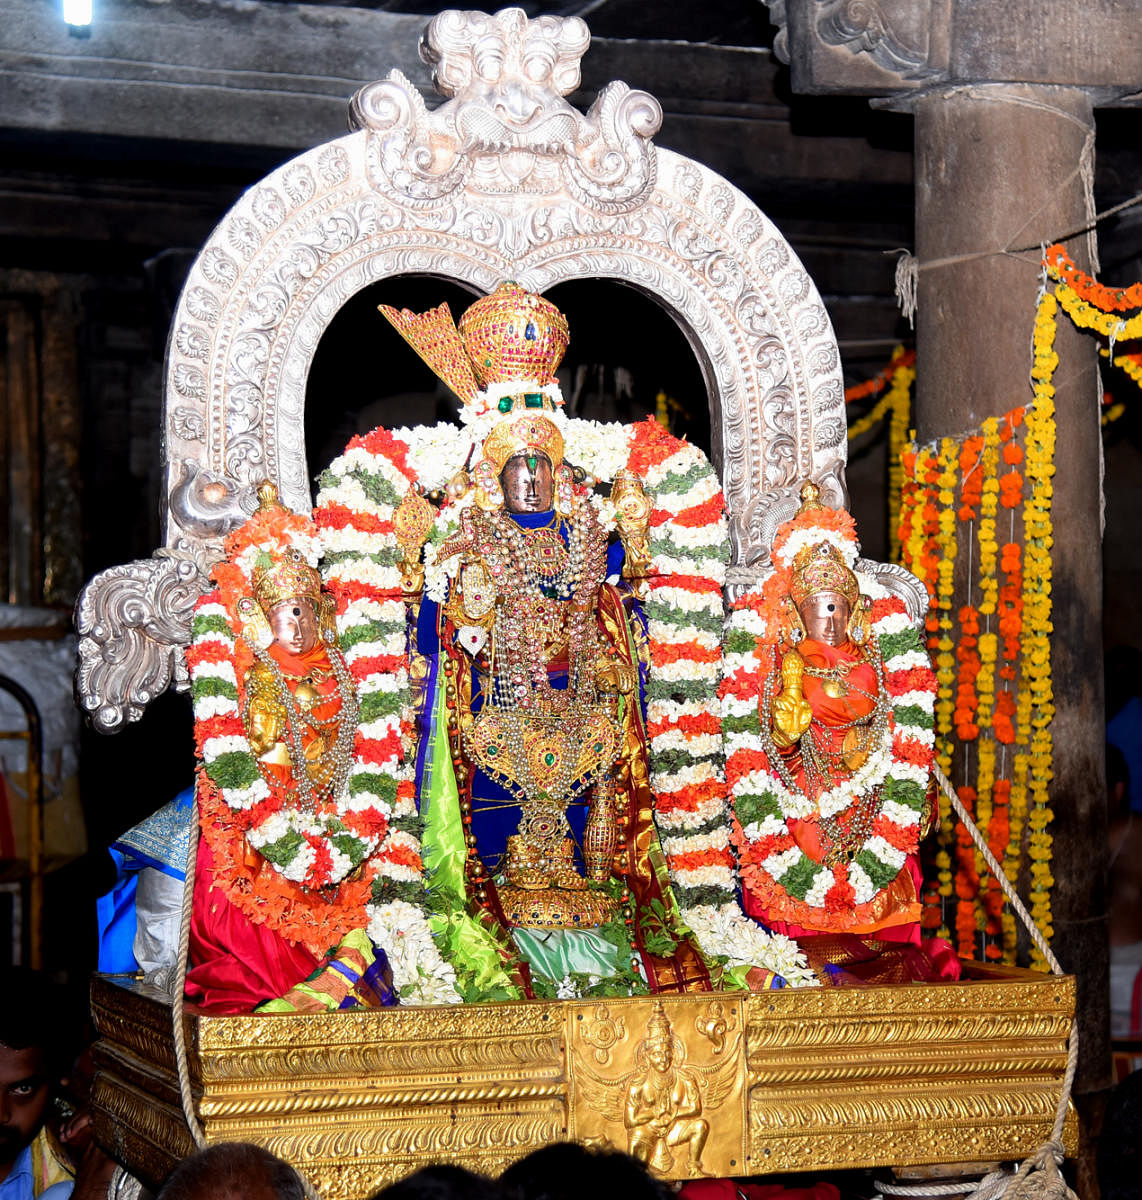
(689, 544)
(314, 849)
(793, 887)
(358, 496)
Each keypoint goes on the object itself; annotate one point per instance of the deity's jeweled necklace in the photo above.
(544, 743)
(324, 777)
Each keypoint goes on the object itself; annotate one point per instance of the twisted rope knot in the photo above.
(1039, 1178)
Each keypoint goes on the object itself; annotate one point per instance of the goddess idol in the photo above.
(554, 654)
(831, 764)
(282, 874)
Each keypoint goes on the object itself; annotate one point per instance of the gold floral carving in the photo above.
(669, 1097)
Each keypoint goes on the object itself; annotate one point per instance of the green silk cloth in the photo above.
(465, 943)
(558, 953)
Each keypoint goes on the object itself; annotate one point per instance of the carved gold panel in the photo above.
(662, 1080)
(807, 1079)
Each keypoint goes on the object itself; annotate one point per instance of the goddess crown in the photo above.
(821, 568)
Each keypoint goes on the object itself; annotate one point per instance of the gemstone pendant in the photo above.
(472, 638)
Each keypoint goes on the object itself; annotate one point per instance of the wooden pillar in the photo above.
(1001, 168)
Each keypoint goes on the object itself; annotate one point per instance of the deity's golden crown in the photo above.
(658, 1027)
(290, 577)
(512, 336)
(502, 357)
(822, 568)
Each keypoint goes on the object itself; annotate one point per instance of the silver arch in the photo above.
(505, 179)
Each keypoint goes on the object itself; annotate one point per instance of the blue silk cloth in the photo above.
(160, 843)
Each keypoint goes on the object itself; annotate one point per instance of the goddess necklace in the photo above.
(332, 764)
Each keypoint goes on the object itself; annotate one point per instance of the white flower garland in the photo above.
(684, 608)
(360, 492)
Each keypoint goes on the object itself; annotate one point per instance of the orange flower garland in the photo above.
(976, 484)
(1001, 654)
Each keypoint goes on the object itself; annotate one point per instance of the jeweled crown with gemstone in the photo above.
(514, 334)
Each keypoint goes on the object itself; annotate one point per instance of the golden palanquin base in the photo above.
(805, 1080)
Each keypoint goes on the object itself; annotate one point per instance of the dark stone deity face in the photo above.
(528, 484)
(294, 625)
(825, 616)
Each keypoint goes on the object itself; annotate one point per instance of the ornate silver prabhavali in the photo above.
(505, 179)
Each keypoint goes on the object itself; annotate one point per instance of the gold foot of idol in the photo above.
(555, 908)
(536, 866)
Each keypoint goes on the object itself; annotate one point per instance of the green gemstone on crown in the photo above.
(505, 404)
(533, 400)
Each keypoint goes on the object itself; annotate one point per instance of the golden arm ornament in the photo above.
(632, 519)
(265, 715)
(412, 523)
(791, 712)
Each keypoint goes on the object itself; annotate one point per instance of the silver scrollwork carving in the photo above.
(133, 622)
(505, 177)
(506, 124)
(902, 584)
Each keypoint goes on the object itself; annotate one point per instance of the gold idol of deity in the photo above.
(301, 707)
(538, 657)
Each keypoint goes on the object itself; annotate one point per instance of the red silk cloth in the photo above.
(239, 964)
(731, 1189)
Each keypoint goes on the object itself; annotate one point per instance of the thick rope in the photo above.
(1038, 1176)
(178, 1000)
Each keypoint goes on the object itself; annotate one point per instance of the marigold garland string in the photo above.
(996, 701)
(898, 377)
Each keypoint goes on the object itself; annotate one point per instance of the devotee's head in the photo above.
(528, 483)
(566, 1171)
(294, 624)
(442, 1182)
(32, 1057)
(233, 1171)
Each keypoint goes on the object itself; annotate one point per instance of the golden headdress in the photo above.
(820, 568)
(279, 571)
(502, 358)
(658, 1026)
(290, 578)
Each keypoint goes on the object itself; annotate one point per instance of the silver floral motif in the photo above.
(188, 424)
(505, 179)
(333, 166)
(244, 238)
(202, 305)
(268, 208)
(219, 267)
